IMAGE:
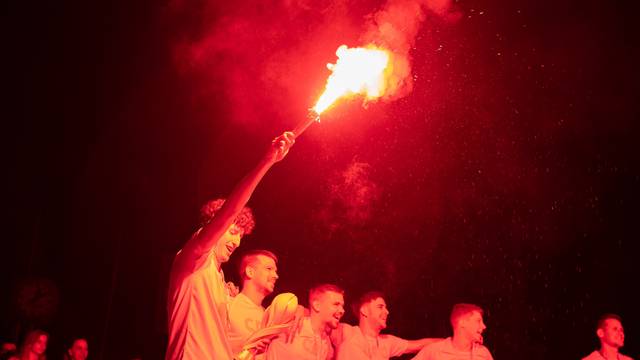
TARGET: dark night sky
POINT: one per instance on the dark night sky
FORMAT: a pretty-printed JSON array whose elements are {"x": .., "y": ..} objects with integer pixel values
[{"x": 509, "y": 177}]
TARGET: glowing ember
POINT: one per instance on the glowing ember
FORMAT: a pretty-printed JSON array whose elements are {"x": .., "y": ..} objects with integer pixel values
[{"x": 357, "y": 71}]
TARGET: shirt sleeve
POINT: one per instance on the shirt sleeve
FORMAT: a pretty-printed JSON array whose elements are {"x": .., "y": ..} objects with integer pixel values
[
  {"x": 485, "y": 353},
  {"x": 350, "y": 351},
  {"x": 275, "y": 348},
  {"x": 396, "y": 345},
  {"x": 424, "y": 354}
]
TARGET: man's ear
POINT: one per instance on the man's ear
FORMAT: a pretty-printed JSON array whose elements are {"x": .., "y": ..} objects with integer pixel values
[
  {"x": 364, "y": 311},
  {"x": 600, "y": 333},
  {"x": 249, "y": 272},
  {"x": 315, "y": 306}
]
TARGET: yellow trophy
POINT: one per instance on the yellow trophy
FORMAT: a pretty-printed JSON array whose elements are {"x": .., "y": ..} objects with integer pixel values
[{"x": 277, "y": 318}]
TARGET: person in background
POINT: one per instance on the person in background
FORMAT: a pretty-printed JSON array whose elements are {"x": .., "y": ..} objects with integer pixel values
[
  {"x": 34, "y": 346},
  {"x": 78, "y": 349},
  {"x": 466, "y": 343},
  {"x": 611, "y": 335},
  {"x": 366, "y": 342}
]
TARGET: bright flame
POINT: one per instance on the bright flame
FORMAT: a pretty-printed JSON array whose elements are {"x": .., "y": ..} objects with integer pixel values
[{"x": 357, "y": 71}]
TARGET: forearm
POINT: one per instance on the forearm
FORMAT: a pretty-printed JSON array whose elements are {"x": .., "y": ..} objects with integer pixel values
[{"x": 417, "y": 345}]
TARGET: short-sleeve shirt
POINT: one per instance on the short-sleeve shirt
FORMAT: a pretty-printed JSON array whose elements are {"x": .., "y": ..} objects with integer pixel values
[
  {"x": 197, "y": 309},
  {"x": 362, "y": 347},
  {"x": 596, "y": 355},
  {"x": 244, "y": 318},
  {"x": 444, "y": 350},
  {"x": 305, "y": 346}
]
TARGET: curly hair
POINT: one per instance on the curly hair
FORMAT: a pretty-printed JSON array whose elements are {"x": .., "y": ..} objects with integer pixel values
[{"x": 244, "y": 220}]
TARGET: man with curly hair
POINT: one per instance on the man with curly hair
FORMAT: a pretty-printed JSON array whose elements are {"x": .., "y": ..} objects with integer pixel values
[{"x": 198, "y": 295}]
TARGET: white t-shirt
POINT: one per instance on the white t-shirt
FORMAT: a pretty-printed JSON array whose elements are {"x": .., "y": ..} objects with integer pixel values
[
  {"x": 244, "y": 318},
  {"x": 305, "y": 346},
  {"x": 444, "y": 350},
  {"x": 596, "y": 355},
  {"x": 197, "y": 309},
  {"x": 362, "y": 347}
]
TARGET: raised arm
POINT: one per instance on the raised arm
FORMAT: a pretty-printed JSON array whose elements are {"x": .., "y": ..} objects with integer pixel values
[{"x": 207, "y": 238}]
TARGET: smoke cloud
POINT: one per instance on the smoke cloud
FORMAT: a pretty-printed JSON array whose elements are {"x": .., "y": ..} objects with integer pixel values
[
  {"x": 267, "y": 59},
  {"x": 395, "y": 27},
  {"x": 350, "y": 199}
]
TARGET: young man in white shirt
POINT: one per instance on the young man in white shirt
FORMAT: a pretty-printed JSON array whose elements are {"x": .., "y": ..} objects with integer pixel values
[
  {"x": 326, "y": 307},
  {"x": 466, "y": 343},
  {"x": 611, "y": 335},
  {"x": 259, "y": 271},
  {"x": 366, "y": 342},
  {"x": 198, "y": 296}
]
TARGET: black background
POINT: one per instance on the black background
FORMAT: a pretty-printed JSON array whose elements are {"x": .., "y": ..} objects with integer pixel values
[{"x": 508, "y": 178}]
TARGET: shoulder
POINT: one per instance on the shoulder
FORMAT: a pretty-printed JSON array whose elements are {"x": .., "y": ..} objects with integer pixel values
[
  {"x": 431, "y": 349},
  {"x": 388, "y": 338},
  {"x": 625, "y": 357},
  {"x": 482, "y": 351},
  {"x": 593, "y": 356},
  {"x": 438, "y": 345}
]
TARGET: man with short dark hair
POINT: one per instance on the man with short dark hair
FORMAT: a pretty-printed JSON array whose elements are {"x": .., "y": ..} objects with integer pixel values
[
  {"x": 198, "y": 296},
  {"x": 259, "y": 271},
  {"x": 326, "y": 306},
  {"x": 466, "y": 343},
  {"x": 611, "y": 335},
  {"x": 366, "y": 342}
]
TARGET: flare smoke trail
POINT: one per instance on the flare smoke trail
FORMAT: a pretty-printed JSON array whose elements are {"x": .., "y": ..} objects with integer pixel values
[
  {"x": 269, "y": 61},
  {"x": 395, "y": 28},
  {"x": 350, "y": 199}
]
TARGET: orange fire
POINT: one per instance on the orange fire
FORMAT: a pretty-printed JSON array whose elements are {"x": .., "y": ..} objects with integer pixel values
[{"x": 357, "y": 71}]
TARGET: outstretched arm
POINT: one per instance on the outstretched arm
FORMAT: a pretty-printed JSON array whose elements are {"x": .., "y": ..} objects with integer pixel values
[
  {"x": 417, "y": 345},
  {"x": 205, "y": 240}
]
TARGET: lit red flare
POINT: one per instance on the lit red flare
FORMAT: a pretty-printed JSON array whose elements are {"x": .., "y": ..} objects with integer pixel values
[{"x": 357, "y": 71}]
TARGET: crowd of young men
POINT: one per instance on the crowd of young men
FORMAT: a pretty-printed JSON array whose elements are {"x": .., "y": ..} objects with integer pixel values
[{"x": 208, "y": 320}]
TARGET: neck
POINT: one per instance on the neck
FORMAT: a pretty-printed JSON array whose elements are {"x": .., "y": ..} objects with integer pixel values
[
  {"x": 609, "y": 352},
  {"x": 251, "y": 291},
  {"x": 318, "y": 326},
  {"x": 368, "y": 329},
  {"x": 461, "y": 342}
]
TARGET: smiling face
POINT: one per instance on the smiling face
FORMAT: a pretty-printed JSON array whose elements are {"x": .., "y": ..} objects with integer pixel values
[
  {"x": 263, "y": 273},
  {"x": 612, "y": 333},
  {"x": 228, "y": 243},
  {"x": 330, "y": 308},
  {"x": 375, "y": 313},
  {"x": 40, "y": 345},
  {"x": 472, "y": 326},
  {"x": 79, "y": 350}
]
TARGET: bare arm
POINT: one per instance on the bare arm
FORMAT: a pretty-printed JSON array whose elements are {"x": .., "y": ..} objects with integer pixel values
[
  {"x": 417, "y": 345},
  {"x": 206, "y": 239}
]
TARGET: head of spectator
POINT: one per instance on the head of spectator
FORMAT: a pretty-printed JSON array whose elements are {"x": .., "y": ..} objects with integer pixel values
[
  {"x": 242, "y": 225},
  {"x": 34, "y": 346},
  {"x": 467, "y": 323},
  {"x": 77, "y": 349},
  {"x": 259, "y": 271},
  {"x": 326, "y": 306},
  {"x": 371, "y": 311},
  {"x": 610, "y": 331}
]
